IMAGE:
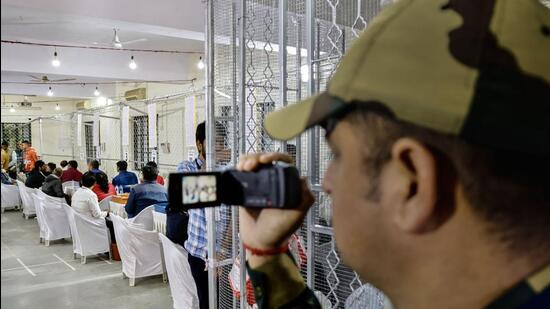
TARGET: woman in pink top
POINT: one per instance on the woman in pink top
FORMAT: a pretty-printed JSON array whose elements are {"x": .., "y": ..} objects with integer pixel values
[{"x": 103, "y": 188}]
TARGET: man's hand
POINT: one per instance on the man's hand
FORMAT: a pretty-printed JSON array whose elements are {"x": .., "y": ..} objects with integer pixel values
[{"x": 270, "y": 228}]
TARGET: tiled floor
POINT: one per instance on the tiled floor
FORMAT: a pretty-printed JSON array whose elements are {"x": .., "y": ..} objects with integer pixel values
[{"x": 36, "y": 276}]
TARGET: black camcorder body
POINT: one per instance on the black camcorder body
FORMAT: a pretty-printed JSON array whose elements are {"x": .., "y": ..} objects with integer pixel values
[{"x": 270, "y": 186}]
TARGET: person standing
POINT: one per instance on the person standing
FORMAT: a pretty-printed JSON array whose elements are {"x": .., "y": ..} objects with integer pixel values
[
  {"x": 194, "y": 237},
  {"x": 124, "y": 178},
  {"x": 30, "y": 156},
  {"x": 5, "y": 156}
]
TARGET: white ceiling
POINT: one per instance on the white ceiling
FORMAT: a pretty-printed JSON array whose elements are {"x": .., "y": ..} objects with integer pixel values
[{"x": 161, "y": 24}]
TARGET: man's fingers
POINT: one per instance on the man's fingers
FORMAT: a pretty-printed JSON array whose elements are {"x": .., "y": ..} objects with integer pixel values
[{"x": 270, "y": 157}]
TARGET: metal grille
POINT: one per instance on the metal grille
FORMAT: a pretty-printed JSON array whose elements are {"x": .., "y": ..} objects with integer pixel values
[
  {"x": 14, "y": 133},
  {"x": 141, "y": 142},
  {"x": 91, "y": 152},
  {"x": 259, "y": 50}
]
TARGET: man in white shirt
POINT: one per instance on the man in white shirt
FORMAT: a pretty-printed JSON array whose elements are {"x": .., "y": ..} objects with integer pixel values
[{"x": 84, "y": 200}]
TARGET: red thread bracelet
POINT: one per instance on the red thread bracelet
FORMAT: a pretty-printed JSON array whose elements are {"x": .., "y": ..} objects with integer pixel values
[{"x": 265, "y": 252}]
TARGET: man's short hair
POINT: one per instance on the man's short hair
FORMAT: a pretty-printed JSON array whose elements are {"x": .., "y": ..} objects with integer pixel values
[
  {"x": 73, "y": 163},
  {"x": 94, "y": 164},
  {"x": 508, "y": 190},
  {"x": 26, "y": 142},
  {"x": 58, "y": 171},
  {"x": 38, "y": 164},
  {"x": 63, "y": 163},
  {"x": 88, "y": 179},
  {"x": 4, "y": 143},
  {"x": 52, "y": 166},
  {"x": 150, "y": 173},
  {"x": 152, "y": 163},
  {"x": 122, "y": 165},
  {"x": 200, "y": 134}
]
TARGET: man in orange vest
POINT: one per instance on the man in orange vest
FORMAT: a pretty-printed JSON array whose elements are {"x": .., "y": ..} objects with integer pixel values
[{"x": 30, "y": 157}]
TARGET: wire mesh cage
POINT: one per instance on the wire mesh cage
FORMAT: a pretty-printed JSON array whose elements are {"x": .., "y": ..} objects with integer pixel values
[{"x": 267, "y": 54}]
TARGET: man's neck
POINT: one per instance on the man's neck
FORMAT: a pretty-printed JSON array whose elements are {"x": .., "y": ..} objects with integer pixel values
[{"x": 470, "y": 272}]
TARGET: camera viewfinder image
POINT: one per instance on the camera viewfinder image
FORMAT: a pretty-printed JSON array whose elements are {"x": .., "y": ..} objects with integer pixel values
[{"x": 199, "y": 189}]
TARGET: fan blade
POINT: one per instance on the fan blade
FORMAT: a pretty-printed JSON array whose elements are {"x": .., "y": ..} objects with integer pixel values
[
  {"x": 62, "y": 80},
  {"x": 35, "y": 77},
  {"x": 134, "y": 41}
]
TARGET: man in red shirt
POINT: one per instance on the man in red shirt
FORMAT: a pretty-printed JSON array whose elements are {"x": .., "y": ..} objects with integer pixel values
[
  {"x": 30, "y": 157},
  {"x": 72, "y": 173}
]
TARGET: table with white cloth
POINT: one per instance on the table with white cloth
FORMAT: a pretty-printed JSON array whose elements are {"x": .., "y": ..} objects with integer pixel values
[{"x": 116, "y": 205}]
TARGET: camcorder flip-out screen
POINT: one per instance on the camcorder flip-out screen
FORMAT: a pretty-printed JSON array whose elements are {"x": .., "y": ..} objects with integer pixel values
[{"x": 271, "y": 186}]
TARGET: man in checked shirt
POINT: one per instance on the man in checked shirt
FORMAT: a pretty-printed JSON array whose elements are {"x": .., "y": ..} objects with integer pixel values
[{"x": 195, "y": 242}]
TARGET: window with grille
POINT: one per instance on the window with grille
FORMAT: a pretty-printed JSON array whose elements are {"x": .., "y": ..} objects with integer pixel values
[
  {"x": 91, "y": 153},
  {"x": 142, "y": 154},
  {"x": 14, "y": 133}
]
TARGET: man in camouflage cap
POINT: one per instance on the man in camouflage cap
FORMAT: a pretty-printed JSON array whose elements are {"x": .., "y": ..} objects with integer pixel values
[{"x": 439, "y": 121}]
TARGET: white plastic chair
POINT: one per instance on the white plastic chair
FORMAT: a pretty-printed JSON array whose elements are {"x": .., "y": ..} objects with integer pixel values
[
  {"x": 159, "y": 220},
  {"x": 90, "y": 235},
  {"x": 37, "y": 202},
  {"x": 70, "y": 185},
  {"x": 139, "y": 250},
  {"x": 26, "y": 199},
  {"x": 182, "y": 284},
  {"x": 105, "y": 203},
  {"x": 145, "y": 218},
  {"x": 10, "y": 197},
  {"x": 54, "y": 219}
]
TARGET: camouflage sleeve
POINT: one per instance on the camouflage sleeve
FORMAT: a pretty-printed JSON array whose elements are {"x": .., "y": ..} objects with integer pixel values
[{"x": 278, "y": 284}]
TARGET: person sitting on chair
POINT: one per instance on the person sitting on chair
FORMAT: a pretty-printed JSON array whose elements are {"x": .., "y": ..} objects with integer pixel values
[
  {"x": 102, "y": 187},
  {"x": 36, "y": 177},
  {"x": 147, "y": 193},
  {"x": 124, "y": 178},
  {"x": 72, "y": 173},
  {"x": 52, "y": 185}
]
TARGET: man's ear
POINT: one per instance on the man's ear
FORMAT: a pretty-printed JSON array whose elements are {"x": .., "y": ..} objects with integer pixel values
[{"x": 416, "y": 210}]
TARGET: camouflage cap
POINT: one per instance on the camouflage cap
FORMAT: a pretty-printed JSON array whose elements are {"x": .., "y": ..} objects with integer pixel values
[{"x": 477, "y": 69}]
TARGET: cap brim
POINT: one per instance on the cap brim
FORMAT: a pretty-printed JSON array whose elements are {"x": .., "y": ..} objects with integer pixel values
[{"x": 290, "y": 121}]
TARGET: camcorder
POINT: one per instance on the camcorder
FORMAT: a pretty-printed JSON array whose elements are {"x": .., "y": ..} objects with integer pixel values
[{"x": 270, "y": 186}]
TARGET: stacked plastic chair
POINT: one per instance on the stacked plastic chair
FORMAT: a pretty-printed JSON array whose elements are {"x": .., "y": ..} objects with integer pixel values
[
  {"x": 139, "y": 248},
  {"x": 182, "y": 284},
  {"x": 90, "y": 235}
]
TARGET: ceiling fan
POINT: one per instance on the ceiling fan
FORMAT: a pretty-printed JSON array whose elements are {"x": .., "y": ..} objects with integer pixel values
[
  {"x": 117, "y": 43},
  {"x": 45, "y": 79}
]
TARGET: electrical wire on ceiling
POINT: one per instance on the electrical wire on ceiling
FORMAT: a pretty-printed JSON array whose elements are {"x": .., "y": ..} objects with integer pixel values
[
  {"x": 174, "y": 81},
  {"x": 103, "y": 48}
]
